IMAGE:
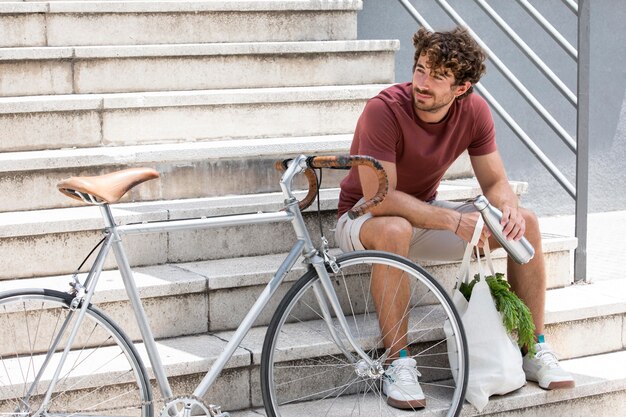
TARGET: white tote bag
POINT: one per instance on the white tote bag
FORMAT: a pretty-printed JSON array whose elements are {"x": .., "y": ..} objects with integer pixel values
[{"x": 495, "y": 360}]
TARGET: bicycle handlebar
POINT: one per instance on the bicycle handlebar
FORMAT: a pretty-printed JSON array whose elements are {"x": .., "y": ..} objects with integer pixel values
[{"x": 341, "y": 162}]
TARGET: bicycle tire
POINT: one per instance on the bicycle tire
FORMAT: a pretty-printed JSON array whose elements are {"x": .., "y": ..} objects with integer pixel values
[
  {"x": 103, "y": 373},
  {"x": 303, "y": 372}
]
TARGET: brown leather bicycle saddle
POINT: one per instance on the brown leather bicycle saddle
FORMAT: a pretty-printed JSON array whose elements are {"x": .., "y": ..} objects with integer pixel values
[{"x": 107, "y": 188}]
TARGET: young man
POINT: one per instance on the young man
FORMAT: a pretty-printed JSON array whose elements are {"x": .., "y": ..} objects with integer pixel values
[{"x": 416, "y": 130}]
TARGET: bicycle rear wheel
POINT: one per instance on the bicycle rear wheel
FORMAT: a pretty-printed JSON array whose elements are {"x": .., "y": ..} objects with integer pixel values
[
  {"x": 305, "y": 373},
  {"x": 102, "y": 375}
]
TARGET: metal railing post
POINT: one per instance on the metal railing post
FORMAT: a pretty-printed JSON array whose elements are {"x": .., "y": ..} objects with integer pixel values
[{"x": 582, "y": 139}]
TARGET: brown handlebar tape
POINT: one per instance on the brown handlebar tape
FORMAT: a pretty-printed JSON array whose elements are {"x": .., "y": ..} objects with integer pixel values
[
  {"x": 310, "y": 196},
  {"x": 354, "y": 160},
  {"x": 342, "y": 161},
  {"x": 310, "y": 176}
]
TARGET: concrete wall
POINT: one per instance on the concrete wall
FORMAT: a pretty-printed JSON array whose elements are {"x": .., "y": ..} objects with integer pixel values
[{"x": 607, "y": 172}]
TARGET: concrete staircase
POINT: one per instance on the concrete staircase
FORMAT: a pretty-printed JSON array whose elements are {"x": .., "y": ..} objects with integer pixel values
[{"x": 210, "y": 93}]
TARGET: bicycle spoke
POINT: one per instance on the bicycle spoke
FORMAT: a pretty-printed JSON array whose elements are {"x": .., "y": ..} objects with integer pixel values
[
  {"x": 80, "y": 389},
  {"x": 291, "y": 381},
  {"x": 329, "y": 391}
]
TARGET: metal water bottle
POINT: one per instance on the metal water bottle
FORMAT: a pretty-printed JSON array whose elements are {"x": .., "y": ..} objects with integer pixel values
[{"x": 521, "y": 251}]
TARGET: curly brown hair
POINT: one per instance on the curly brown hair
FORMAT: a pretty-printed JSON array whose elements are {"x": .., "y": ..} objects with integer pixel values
[{"x": 455, "y": 51}]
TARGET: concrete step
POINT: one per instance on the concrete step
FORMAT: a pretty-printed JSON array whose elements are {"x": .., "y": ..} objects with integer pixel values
[
  {"x": 185, "y": 360},
  {"x": 113, "y": 69},
  {"x": 599, "y": 375},
  {"x": 190, "y": 169},
  {"x": 600, "y": 391},
  {"x": 216, "y": 295},
  {"x": 567, "y": 309},
  {"x": 92, "y": 120},
  {"x": 587, "y": 319},
  {"x": 564, "y": 313},
  {"x": 64, "y": 23},
  {"x": 54, "y": 241},
  {"x": 605, "y": 245}
]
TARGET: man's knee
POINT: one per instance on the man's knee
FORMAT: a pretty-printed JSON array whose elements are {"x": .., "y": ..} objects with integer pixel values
[
  {"x": 392, "y": 234},
  {"x": 531, "y": 221}
]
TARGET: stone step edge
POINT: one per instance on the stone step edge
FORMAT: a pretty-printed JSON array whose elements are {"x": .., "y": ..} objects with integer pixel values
[
  {"x": 197, "y": 49},
  {"x": 201, "y": 151},
  {"x": 19, "y": 7},
  {"x": 563, "y": 304},
  {"x": 73, "y": 219},
  {"x": 116, "y": 101},
  {"x": 172, "y": 152},
  {"x": 595, "y": 376}
]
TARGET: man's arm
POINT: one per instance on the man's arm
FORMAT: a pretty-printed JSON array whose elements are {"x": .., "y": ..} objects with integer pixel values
[
  {"x": 491, "y": 176},
  {"x": 398, "y": 203}
]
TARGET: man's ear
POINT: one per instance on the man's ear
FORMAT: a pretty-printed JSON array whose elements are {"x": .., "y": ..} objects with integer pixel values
[{"x": 462, "y": 88}]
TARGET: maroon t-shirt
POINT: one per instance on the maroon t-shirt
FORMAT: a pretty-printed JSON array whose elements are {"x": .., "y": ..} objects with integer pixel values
[{"x": 389, "y": 130}]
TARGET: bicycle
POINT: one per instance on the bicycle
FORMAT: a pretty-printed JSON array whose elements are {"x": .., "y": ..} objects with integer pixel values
[{"x": 68, "y": 358}]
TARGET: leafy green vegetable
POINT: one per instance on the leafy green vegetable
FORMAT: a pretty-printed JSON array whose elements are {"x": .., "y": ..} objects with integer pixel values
[{"x": 516, "y": 316}]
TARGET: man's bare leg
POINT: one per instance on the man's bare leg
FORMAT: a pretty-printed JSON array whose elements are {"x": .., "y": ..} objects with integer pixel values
[
  {"x": 393, "y": 234},
  {"x": 390, "y": 289},
  {"x": 529, "y": 281}
]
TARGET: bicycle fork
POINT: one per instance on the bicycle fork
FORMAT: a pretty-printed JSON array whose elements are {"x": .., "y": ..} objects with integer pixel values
[
  {"x": 319, "y": 259},
  {"x": 365, "y": 366}
]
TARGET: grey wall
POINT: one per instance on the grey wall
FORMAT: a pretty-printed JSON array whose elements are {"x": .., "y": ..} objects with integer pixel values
[{"x": 387, "y": 19}]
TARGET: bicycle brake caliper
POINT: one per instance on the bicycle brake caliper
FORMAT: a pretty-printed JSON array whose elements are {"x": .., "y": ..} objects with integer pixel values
[
  {"x": 78, "y": 291},
  {"x": 329, "y": 259}
]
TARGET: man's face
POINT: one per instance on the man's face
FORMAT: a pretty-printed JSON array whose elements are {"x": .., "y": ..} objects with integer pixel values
[{"x": 434, "y": 89}]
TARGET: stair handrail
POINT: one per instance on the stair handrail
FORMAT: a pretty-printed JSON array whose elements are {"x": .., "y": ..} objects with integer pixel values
[
  {"x": 571, "y": 5},
  {"x": 502, "y": 24},
  {"x": 551, "y": 30}
]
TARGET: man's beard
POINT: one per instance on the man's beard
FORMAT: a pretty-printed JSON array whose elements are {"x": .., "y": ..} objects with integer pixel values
[{"x": 435, "y": 106}]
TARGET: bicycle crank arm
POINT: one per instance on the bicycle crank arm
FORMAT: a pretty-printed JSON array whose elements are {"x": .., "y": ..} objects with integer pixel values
[{"x": 216, "y": 411}]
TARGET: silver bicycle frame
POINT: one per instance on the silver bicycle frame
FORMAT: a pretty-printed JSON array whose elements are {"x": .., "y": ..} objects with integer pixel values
[{"x": 303, "y": 245}]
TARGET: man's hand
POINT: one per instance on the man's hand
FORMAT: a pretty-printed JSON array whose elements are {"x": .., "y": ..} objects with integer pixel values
[
  {"x": 466, "y": 226},
  {"x": 490, "y": 174},
  {"x": 513, "y": 223}
]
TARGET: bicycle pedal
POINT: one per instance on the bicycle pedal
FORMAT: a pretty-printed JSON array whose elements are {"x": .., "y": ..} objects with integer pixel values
[{"x": 216, "y": 411}]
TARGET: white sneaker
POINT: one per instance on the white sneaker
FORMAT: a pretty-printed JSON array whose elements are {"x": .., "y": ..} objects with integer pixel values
[
  {"x": 401, "y": 386},
  {"x": 544, "y": 368}
]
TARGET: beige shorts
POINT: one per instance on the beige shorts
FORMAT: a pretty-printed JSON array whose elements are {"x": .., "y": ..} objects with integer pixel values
[{"x": 426, "y": 244}]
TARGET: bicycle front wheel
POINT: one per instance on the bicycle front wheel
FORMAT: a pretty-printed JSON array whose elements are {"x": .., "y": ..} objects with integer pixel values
[
  {"x": 309, "y": 368},
  {"x": 102, "y": 374}
]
